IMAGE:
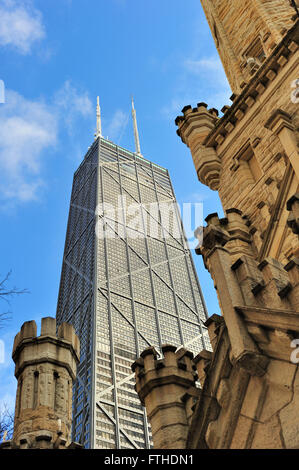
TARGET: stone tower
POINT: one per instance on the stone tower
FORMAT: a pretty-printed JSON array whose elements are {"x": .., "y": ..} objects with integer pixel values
[
  {"x": 161, "y": 383},
  {"x": 249, "y": 384},
  {"x": 253, "y": 147},
  {"x": 246, "y": 33},
  {"x": 45, "y": 368}
]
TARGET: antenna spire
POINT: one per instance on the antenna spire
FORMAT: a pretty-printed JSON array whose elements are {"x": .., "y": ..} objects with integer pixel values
[
  {"x": 136, "y": 135},
  {"x": 99, "y": 122}
]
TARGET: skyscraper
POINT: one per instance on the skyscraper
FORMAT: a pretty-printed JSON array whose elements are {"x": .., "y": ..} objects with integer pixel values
[{"x": 128, "y": 282}]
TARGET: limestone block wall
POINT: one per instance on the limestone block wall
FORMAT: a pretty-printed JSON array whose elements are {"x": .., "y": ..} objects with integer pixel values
[
  {"x": 268, "y": 415},
  {"x": 238, "y": 26},
  {"x": 238, "y": 410},
  {"x": 253, "y": 149}
]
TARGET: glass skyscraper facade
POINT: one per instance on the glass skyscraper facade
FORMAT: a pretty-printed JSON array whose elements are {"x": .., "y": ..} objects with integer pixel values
[{"x": 128, "y": 282}]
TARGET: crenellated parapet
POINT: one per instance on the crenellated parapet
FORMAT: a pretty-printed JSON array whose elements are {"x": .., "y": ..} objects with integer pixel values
[
  {"x": 26, "y": 344},
  {"x": 45, "y": 368},
  {"x": 193, "y": 128},
  {"x": 161, "y": 385},
  {"x": 265, "y": 283}
]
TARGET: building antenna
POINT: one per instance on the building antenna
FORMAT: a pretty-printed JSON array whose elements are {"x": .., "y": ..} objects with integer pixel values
[
  {"x": 136, "y": 135},
  {"x": 99, "y": 122}
]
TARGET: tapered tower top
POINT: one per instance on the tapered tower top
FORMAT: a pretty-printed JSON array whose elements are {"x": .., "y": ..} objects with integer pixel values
[
  {"x": 99, "y": 122},
  {"x": 246, "y": 32},
  {"x": 136, "y": 134}
]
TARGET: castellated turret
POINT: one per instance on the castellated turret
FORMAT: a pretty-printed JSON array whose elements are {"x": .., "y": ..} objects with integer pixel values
[
  {"x": 166, "y": 387},
  {"x": 250, "y": 155},
  {"x": 45, "y": 368},
  {"x": 193, "y": 128}
]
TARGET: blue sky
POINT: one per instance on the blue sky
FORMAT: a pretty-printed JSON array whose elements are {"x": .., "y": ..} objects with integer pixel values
[{"x": 56, "y": 56}]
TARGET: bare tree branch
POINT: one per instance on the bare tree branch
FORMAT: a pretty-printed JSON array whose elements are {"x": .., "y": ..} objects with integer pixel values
[
  {"x": 6, "y": 423},
  {"x": 6, "y": 293}
]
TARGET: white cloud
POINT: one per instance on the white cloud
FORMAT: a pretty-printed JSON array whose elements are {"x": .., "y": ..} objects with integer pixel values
[
  {"x": 117, "y": 125},
  {"x": 197, "y": 197},
  {"x": 208, "y": 68},
  {"x": 210, "y": 63},
  {"x": 200, "y": 79},
  {"x": 28, "y": 130},
  {"x": 20, "y": 25},
  {"x": 173, "y": 108},
  {"x": 72, "y": 103}
]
